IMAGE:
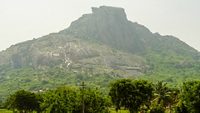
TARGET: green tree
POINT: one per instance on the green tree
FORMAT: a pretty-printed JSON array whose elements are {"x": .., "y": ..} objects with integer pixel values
[
  {"x": 95, "y": 102},
  {"x": 120, "y": 91},
  {"x": 24, "y": 102},
  {"x": 131, "y": 94},
  {"x": 61, "y": 100},
  {"x": 165, "y": 96},
  {"x": 174, "y": 98},
  {"x": 190, "y": 96},
  {"x": 69, "y": 100}
]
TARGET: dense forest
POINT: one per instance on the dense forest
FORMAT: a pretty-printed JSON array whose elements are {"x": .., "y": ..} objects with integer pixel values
[{"x": 132, "y": 96}]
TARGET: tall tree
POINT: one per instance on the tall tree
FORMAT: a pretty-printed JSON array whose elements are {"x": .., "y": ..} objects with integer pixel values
[
  {"x": 131, "y": 94},
  {"x": 24, "y": 102}
]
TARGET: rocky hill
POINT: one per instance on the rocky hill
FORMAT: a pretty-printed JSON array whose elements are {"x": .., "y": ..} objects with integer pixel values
[{"x": 104, "y": 42}]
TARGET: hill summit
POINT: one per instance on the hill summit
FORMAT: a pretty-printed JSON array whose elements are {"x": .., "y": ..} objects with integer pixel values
[{"x": 110, "y": 26}]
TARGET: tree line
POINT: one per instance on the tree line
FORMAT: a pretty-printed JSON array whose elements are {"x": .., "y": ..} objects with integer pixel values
[{"x": 136, "y": 96}]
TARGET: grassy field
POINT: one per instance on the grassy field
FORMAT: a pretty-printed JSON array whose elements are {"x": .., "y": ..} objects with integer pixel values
[
  {"x": 5, "y": 111},
  {"x": 120, "y": 111}
]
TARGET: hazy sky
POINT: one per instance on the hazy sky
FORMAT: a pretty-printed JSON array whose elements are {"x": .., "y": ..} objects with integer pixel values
[{"x": 22, "y": 20}]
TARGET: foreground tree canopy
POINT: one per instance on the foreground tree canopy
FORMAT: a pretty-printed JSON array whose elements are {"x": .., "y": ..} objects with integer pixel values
[
  {"x": 132, "y": 95},
  {"x": 61, "y": 100},
  {"x": 190, "y": 96},
  {"x": 24, "y": 102},
  {"x": 141, "y": 95}
]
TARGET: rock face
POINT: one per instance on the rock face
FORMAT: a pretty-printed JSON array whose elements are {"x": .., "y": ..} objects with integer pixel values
[
  {"x": 110, "y": 26},
  {"x": 103, "y": 39}
]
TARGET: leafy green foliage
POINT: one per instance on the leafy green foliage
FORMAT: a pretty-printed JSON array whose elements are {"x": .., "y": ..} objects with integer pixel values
[
  {"x": 61, "y": 100},
  {"x": 131, "y": 94},
  {"x": 125, "y": 95},
  {"x": 24, "y": 101},
  {"x": 72, "y": 99},
  {"x": 190, "y": 95},
  {"x": 181, "y": 109},
  {"x": 95, "y": 102},
  {"x": 157, "y": 109},
  {"x": 162, "y": 94}
]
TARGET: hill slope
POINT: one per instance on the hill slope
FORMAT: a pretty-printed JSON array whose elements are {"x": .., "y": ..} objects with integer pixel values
[{"x": 97, "y": 48}]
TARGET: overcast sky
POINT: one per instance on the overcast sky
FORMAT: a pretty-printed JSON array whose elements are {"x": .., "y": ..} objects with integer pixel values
[{"x": 22, "y": 20}]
